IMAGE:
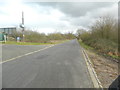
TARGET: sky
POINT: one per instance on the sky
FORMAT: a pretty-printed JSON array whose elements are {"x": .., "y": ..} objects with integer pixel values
[{"x": 48, "y": 17}]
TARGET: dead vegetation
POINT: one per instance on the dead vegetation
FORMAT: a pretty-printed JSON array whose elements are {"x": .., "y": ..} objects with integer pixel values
[{"x": 106, "y": 69}]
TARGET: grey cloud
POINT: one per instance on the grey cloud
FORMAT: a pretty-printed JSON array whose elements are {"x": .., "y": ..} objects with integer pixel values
[
  {"x": 77, "y": 13},
  {"x": 76, "y": 9},
  {"x": 80, "y": 9}
]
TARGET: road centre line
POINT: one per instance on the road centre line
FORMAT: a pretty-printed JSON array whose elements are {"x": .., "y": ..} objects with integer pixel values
[{"x": 25, "y": 54}]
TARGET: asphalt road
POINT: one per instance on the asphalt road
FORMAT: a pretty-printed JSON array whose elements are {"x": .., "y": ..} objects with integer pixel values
[
  {"x": 60, "y": 66},
  {"x": 11, "y": 51}
]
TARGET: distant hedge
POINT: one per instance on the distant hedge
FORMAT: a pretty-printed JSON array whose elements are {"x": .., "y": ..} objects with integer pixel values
[{"x": 33, "y": 36}]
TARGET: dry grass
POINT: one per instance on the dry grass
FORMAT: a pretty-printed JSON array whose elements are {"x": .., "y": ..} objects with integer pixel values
[{"x": 107, "y": 70}]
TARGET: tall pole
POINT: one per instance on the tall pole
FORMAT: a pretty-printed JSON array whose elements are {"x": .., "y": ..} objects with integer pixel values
[{"x": 23, "y": 25}]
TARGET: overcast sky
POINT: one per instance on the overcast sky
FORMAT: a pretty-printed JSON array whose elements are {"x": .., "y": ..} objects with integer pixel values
[{"x": 50, "y": 17}]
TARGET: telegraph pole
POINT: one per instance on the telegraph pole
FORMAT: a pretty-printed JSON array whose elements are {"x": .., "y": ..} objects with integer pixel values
[{"x": 23, "y": 28}]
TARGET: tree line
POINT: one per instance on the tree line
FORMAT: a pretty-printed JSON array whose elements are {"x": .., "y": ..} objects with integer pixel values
[{"x": 34, "y": 36}]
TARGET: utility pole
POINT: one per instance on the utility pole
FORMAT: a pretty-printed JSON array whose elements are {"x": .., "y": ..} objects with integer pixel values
[{"x": 23, "y": 25}]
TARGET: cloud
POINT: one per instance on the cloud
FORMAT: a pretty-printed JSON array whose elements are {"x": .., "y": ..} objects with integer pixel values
[
  {"x": 55, "y": 16},
  {"x": 91, "y": 15},
  {"x": 76, "y": 9}
]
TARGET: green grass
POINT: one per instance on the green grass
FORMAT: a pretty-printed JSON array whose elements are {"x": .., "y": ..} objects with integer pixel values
[
  {"x": 116, "y": 57},
  {"x": 84, "y": 45},
  {"x": 32, "y": 43},
  {"x": 113, "y": 56},
  {"x": 25, "y": 43},
  {"x": 95, "y": 51},
  {"x": 59, "y": 41}
]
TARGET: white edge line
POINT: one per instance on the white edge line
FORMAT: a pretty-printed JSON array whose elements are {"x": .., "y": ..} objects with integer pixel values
[
  {"x": 25, "y": 54},
  {"x": 96, "y": 82},
  {"x": 94, "y": 71}
]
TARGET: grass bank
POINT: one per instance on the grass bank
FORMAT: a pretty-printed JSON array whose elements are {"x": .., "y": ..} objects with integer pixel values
[
  {"x": 97, "y": 51},
  {"x": 85, "y": 46}
]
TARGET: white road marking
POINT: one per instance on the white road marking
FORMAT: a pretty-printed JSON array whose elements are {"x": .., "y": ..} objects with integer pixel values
[
  {"x": 93, "y": 75},
  {"x": 25, "y": 54}
]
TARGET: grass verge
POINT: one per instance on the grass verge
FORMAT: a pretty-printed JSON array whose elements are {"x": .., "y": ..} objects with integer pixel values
[
  {"x": 85, "y": 46},
  {"x": 106, "y": 68},
  {"x": 33, "y": 43},
  {"x": 95, "y": 51}
]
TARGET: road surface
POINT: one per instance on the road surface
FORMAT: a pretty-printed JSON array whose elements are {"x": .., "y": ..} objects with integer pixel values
[
  {"x": 60, "y": 66},
  {"x": 11, "y": 51}
]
